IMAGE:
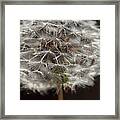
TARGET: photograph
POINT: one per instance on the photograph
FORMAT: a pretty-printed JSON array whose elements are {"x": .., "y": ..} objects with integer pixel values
[{"x": 60, "y": 59}]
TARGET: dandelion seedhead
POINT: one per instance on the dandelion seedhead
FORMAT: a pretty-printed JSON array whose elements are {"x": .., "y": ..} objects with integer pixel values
[{"x": 58, "y": 50}]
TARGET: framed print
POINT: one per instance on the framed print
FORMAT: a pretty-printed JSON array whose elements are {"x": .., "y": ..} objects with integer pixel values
[{"x": 60, "y": 59}]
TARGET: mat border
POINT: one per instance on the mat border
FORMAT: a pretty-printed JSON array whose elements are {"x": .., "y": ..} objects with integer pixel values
[{"x": 52, "y": 2}]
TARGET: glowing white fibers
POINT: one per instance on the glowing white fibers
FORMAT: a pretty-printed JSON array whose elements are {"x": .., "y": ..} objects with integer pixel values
[{"x": 68, "y": 48}]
